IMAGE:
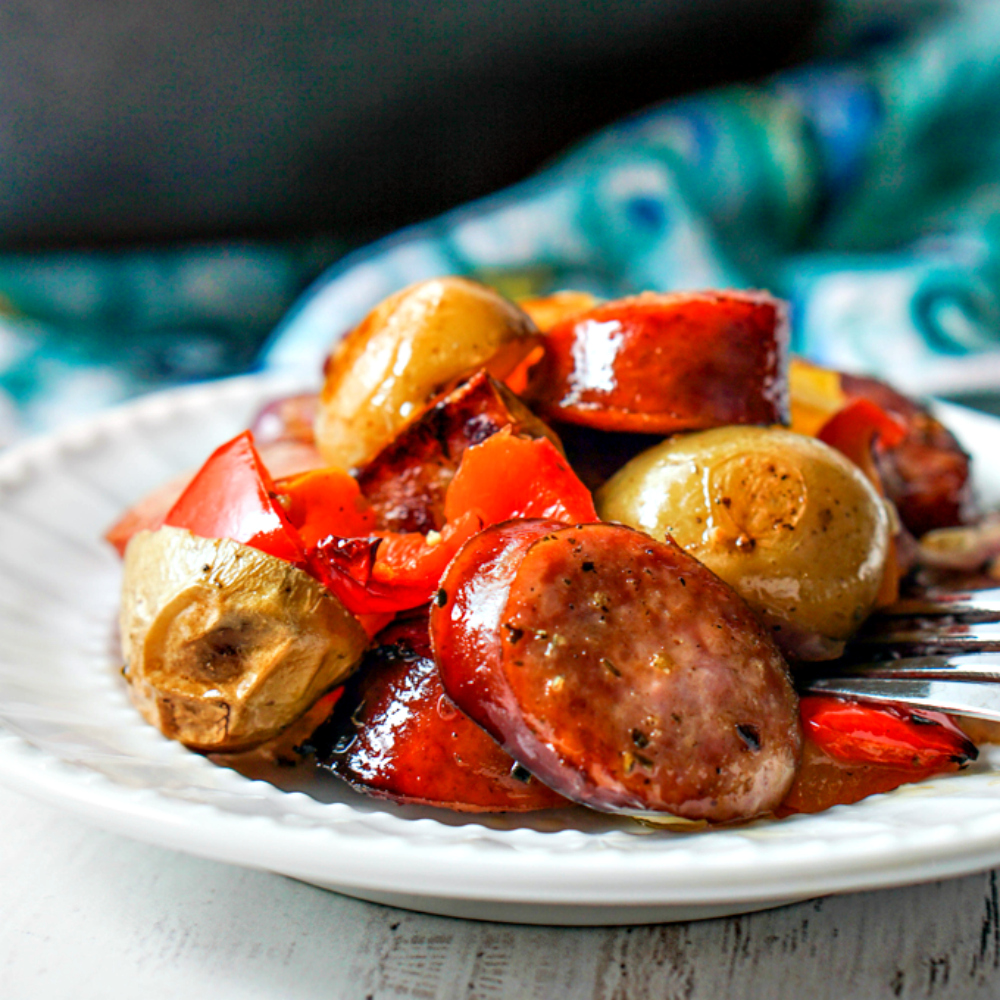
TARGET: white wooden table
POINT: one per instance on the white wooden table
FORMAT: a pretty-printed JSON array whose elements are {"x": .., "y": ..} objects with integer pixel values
[{"x": 93, "y": 916}]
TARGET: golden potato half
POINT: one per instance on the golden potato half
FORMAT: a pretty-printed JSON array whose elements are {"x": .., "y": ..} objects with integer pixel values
[
  {"x": 225, "y": 646},
  {"x": 407, "y": 350},
  {"x": 787, "y": 521}
]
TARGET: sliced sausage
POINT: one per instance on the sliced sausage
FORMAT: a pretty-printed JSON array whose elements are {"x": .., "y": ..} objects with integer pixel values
[
  {"x": 659, "y": 364},
  {"x": 396, "y": 735},
  {"x": 617, "y": 669}
]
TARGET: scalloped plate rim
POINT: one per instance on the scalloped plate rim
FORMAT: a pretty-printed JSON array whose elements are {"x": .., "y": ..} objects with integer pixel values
[{"x": 447, "y": 868}]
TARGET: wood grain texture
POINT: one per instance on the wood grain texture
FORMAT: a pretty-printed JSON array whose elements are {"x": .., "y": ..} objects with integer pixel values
[{"x": 98, "y": 917}]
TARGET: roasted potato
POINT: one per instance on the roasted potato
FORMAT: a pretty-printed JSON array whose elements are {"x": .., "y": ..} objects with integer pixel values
[
  {"x": 787, "y": 521},
  {"x": 225, "y": 646},
  {"x": 405, "y": 352}
]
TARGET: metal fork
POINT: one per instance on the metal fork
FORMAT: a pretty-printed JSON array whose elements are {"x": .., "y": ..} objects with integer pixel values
[{"x": 940, "y": 651}]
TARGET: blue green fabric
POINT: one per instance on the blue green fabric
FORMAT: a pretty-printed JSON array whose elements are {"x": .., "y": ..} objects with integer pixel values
[
  {"x": 79, "y": 331},
  {"x": 866, "y": 192}
]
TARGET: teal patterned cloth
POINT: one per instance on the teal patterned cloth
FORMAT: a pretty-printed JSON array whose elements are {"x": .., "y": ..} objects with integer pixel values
[
  {"x": 866, "y": 192},
  {"x": 79, "y": 331}
]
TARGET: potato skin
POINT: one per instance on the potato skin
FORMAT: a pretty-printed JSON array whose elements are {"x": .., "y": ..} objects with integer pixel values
[
  {"x": 406, "y": 351},
  {"x": 224, "y": 645},
  {"x": 794, "y": 527}
]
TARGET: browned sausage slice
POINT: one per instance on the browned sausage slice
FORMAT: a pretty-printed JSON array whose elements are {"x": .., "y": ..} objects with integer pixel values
[
  {"x": 396, "y": 735},
  {"x": 659, "y": 364},
  {"x": 927, "y": 475},
  {"x": 617, "y": 669}
]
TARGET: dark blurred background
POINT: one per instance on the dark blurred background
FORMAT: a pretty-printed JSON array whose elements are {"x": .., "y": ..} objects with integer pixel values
[{"x": 126, "y": 120}]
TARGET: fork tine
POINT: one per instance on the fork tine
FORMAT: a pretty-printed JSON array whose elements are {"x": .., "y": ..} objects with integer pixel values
[
  {"x": 930, "y": 635},
  {"x": 980, "y": 701},
  {"x": 981, "y": 667},
  {"x": 967, "y": 682},
  {"x": 937, "y": 601}
]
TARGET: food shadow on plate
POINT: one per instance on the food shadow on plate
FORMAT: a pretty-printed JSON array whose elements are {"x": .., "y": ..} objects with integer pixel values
[
  {"x": 279, "y": 763},
  {"x": 319, "y": 784}
]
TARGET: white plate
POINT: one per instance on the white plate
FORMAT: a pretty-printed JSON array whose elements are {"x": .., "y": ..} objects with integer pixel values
[{"x": 69, "y": 735}]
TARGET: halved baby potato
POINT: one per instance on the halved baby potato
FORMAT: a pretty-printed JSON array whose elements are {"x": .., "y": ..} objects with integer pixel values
[
  {"x": 788, "y": 522},
  {"x": 224, "y": 645},
  {"x": 405, "y": 352}
]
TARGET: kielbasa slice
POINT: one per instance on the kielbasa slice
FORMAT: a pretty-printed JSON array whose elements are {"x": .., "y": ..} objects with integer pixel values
[
  {"x": 663, "y": 363},
  {"x": 618, "y": 670},
  {"x": 396, "y": 735}
]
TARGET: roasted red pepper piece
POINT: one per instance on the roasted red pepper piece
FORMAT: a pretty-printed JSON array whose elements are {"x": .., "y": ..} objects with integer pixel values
[
  {"x": 507, "y": 477},
  {"x": 281, "y": 458},
  {"x": 854, "y": 431},
  {"x": 407, "y": 480},
  {"x": 326, "y": 502},
  {"x": 887, "y": 735},
  {"x": 503, "y": 478},
  {"x": 397, "y": 735},
  {"x": 926, "y": 474},
  {"x": 417, "y": 561},
  {"x": 392, "y": 573},
  {"x": 345, "y": 566},
  {"x": 852, "y": 750},
  {"x": 320, "y": 521},
  {"x": 233, "y": 496}
]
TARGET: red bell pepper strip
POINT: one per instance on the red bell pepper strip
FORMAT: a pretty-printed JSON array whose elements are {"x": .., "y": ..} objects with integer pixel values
[
  {"x": 324, "y": 502},
  {"x": 500, "y": 479},
  {"x": 233, "y": 496},
  {"x": 401, "y": 572},
  {"x": 507, "y": 477},
  {"x": 856, "y": 429},
  {"x": 416, "y": 561},
  {"x": 320, "y": 522},
  {"x": 886, "y": 735},
  {"x": 345, "y": 567}
]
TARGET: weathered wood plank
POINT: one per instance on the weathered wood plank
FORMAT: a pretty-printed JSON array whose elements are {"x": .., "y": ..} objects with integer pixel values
[{"x": 91, "y": 915}]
